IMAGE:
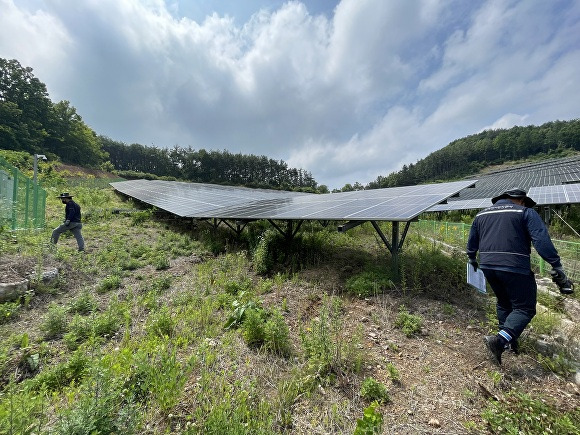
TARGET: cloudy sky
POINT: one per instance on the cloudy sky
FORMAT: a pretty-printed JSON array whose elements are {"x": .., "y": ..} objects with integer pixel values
[{"x": 347, "y": 90}]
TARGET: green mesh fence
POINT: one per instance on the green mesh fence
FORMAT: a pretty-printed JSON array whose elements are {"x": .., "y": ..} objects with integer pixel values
[
  {"x": 456, "y": 234},
  {"x": 22, "y": 203}
]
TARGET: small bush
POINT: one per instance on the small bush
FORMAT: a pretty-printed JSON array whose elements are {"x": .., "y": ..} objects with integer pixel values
[
  {"x": 140, "y": 217},
  {"x": 111, "y": 282},
  {"x": 84, "y": 304},
  {"x": 161, "y": 324},
  {"x": 60, "y": 376},
  {"x": 371, "y": 422},
  {"x": 369, "y": 283},
  {"x": 277, "y": 335},
  {"x": 372, "y": 390},
  {"x": 393, "y": 372},
  {"x": 55, "y": 322},
  {"x": 410, "y": 324},
  {"x": 253, "y": 327}
]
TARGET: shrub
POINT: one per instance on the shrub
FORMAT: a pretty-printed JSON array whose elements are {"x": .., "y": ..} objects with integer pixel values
[
  {"x": 55, "y": 323},
  {"x": 161, "y": 324},
  {"x": 253, "y": 327},
  {"x": 371, "y": 422},
  {"x": 111, "y": 282},
  {"x": 372, "y": 390},
  {"x": 326, "y": 345},
  {"x": 369, "y": 283},
  {"x": 410, "y": 324},
  {"x": 84, "y": 304},
  {"x": 60, "y": 376},
  {"x": 277, "y": 335}
]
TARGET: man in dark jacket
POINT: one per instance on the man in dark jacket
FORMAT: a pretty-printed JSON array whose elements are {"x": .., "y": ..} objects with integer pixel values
[
  {"x": 72, "y": 221},
  {"x": 503, "y": 234}
]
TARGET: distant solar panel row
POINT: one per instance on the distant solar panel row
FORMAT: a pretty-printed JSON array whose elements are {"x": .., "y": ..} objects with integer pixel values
[
  {"x": 543, "y": 195},
  {"x": 548, "y": 173},
  {"x": 550, "y": 195},
  {"x": 225, "y": 202}
]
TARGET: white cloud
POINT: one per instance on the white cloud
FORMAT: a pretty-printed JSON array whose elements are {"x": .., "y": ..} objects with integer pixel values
[{"x": 351, "y": 91}]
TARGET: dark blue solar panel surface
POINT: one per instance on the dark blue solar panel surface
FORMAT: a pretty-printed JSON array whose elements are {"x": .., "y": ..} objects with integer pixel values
[
  {"x": 551, "y": 195},
  {"x": 545, "y": 173},
  {"x": 225, "y": 202},
  {"x": 529, "y": 176}
]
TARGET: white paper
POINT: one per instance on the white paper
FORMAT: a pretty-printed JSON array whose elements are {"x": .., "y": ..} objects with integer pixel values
[{"x": 476, "y": 278}]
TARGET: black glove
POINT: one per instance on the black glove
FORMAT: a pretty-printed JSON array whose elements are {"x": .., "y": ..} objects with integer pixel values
[
  {"x": 67, "y": 222},
  {"x": 473, "y": 262},
  {"x": 564, "y": 284}
]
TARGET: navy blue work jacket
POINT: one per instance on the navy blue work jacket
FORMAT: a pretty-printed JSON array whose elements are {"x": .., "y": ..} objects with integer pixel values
[
  {"x": 503, "y": 235},
  {"x": 72, "y": 211}
]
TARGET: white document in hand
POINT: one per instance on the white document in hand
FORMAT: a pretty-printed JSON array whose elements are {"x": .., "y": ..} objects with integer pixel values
[{"x": 476, "y": 278}]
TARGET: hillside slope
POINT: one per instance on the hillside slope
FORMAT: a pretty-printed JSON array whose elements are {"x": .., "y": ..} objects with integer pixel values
[{"x": 132, "y": 335}]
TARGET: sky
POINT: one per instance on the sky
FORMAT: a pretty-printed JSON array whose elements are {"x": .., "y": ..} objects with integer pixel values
[{"x": 348, "y": 90}]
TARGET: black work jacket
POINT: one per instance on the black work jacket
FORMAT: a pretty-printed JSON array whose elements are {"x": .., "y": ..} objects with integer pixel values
[
  {"x": 72, "y": 211},
  {"x": 503, "y": 234}
]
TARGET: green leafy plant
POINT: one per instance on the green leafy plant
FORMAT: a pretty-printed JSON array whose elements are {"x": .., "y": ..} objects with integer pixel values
[
  {"x": 369, "y": 283},
  {"x": 55, "y": 322},
  {"x": 111, "y": 282},
  {"x": 239, "y": 313},
  {"x": 277, "y": 335},
  {"x": 393, "y": 372},
  {"x": 371, "y": 423},
  {"x": 253, "y": 327},
  {"x": 558, "y": 364},
  {"x": 410, "y": 324},
  {"x": 85, "y": 303},
  {"x": 327, "y": 347},
  {"x": 520, "y": 413},
  {"x": 373, "y": 390},
  {"x": 9, "y": 311}
]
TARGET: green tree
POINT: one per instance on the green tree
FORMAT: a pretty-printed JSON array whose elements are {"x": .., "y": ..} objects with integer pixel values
[
  {"x": 71, "y": 139},
  {"x": 24, "y": 108}
]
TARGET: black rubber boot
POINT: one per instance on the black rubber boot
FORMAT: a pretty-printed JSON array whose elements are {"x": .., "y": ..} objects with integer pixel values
[
  {"x": 495, "y": 348},
  {"x": 514, "y": 346}
]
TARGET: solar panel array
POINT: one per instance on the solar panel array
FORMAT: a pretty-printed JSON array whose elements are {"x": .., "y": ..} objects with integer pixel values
[
  {"x": 550, "y": 195},
  {"x": 225, "y": 202},
  {"x": 465, "y": 204},
  {"x": 528, "y": 177},
  {"x": 548, "y": 173}
]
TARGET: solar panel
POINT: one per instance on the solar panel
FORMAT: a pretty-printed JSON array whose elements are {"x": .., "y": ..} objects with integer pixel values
[
  {"x": 193, "y": 199},
  {"x": 466, "y": 204},
  {"x": 551, "y": 195},
  {"x": 545, "y": 173},
  {"x": 225, "y": 202}
]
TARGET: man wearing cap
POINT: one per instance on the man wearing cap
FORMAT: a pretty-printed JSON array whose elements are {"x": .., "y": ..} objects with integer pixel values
[
  {"x": 503, "y": 235},
  {"x": 72, "y": 221}
]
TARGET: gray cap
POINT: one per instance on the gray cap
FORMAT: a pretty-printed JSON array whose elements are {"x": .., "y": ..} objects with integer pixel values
[{"x": 515, "y": 193}]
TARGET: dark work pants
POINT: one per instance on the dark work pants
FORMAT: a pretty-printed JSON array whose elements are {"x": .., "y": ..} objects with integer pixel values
[
  {"x": 73, "y": 227},
  {"x": 516, "y": 299}
]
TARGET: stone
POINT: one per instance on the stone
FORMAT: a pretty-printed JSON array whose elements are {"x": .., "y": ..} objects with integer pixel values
[{"x": 11, "y": 291}]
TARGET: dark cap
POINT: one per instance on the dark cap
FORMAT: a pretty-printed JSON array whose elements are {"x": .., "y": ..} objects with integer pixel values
[
  {"x": 515, "y": 194},
  {"x": 64, "y": 195}
]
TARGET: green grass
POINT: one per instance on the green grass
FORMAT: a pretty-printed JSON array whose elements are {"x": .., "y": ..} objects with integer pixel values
[{"x": 162, "y": 327}]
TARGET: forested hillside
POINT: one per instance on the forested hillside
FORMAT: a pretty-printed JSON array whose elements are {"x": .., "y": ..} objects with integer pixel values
[
  {"x": 470, "y": 154},
  {"x": 32, "y": 123}
]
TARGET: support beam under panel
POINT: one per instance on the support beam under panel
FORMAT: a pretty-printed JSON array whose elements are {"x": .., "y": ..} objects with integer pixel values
[
  {"x": 349, "y": 225},
  {"x": 290, "y": 231}
]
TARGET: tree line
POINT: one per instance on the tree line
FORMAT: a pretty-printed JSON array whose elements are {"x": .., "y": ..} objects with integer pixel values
[
  {"x": 468, "y": 155},
  {"x": 31, "y": 122}
]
